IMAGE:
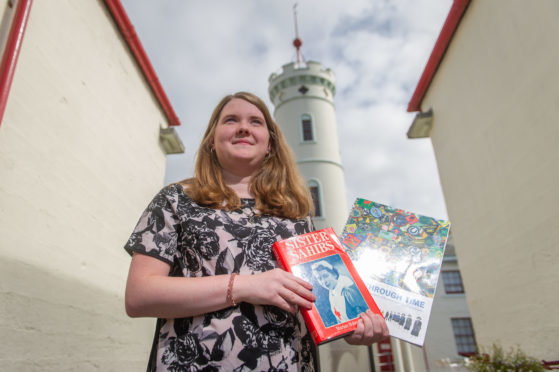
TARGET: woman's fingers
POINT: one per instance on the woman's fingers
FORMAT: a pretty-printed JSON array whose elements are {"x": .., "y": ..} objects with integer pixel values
[
  {"x": 300, "y": 288},
  {"x": 370, "y": 328},
  {"x": 381, "y": 327},
  {"x": 279, "y": 288},
  {"x": 296, "y": 291},
  {"x": 298, "y": 300},
  {"x": 302, "y": 282},
  {"x": 286, "y": 305}
]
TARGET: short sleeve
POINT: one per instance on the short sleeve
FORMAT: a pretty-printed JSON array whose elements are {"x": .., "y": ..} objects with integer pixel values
[
  {"x": 310, "y": 224},
  {"x": 157, "y": 230}
]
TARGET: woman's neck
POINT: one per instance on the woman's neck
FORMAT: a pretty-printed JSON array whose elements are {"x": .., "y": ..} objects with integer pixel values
[{"x": 239, "y": 184}]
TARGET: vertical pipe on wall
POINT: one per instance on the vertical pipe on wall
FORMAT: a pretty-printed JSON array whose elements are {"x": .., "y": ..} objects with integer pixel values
[{"x": 11, "y": 51}]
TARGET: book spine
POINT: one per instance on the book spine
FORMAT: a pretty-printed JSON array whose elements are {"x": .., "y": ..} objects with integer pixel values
[{"x": 276, "y": 250}]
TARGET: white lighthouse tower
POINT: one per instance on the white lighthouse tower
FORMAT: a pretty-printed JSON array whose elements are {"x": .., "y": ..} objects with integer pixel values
[{"x": 303, "y": 97}]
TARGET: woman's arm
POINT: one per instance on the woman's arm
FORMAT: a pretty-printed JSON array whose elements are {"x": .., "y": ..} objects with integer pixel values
[{"x": 150, "y": 292}]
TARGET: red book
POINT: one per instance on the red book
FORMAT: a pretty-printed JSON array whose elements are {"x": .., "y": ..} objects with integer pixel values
[{"x": 341, "y": 296}]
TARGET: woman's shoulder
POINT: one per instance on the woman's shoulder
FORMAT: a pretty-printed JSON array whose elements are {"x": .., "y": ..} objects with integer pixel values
[
  {"x": 170, "y": 191},
  {"x": 175, "y": 189},
  {"x": 172, "y": 194}
]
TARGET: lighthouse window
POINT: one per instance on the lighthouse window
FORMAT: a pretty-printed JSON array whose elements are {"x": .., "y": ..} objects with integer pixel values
[
  {"x": 315, "y": 194},
  {"x": 307, "y": 128}
]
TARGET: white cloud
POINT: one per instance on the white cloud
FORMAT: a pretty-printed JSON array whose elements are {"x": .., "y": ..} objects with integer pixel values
[{"x": 202, "y": 50}]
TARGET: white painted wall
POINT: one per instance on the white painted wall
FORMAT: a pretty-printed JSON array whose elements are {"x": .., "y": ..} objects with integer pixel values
[
  {"x": 495, "y": 136},
  {"x": 79, "y": 161}
]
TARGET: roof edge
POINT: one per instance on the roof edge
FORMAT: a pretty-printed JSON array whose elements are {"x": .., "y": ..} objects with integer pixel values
[
  {"x": 441, "y": 45},
  {"x": 127, "y": 30}
]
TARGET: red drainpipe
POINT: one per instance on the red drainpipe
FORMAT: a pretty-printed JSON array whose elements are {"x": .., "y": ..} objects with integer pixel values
[
  {"x": 11, "y": 51},
  {"x": 127, "y": 30}
]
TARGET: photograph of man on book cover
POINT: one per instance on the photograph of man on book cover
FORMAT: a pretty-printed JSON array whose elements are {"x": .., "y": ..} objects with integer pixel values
[{"x": 338, "y": 298}]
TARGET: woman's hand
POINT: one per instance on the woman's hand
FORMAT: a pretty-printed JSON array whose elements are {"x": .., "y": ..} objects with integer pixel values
[
  {"x": 275, "y": 287},
  {"x": 371, "y": 328}
]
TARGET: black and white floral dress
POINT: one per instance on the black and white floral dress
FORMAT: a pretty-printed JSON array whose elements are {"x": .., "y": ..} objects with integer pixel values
[{"x": 198, "y": 241}]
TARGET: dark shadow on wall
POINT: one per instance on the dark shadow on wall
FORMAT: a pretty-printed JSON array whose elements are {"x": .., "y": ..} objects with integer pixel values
[{"x": 52, "y": 322}]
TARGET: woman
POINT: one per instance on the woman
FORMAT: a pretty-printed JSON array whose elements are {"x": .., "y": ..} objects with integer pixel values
[{"x": 202, "y": 262}]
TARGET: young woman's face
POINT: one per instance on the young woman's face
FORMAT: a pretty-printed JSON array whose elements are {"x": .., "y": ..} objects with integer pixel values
[
  {"x": 326, "y": 279},
  {"x": 241, "y": 138}
]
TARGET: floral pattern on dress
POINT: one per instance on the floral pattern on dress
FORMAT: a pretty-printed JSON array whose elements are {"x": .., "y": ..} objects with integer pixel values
[{"x": 198, "y": 241}]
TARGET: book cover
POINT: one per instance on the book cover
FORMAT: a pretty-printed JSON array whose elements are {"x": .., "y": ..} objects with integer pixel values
[
  {"x": 341, "y": 296},
  {"x": 398, "y": 254}
]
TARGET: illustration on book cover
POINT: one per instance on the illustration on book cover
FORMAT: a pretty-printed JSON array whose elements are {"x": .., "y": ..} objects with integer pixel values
[
  {"x": 342, "y": 300},
  {"x": 341, "y": 295},
  {"x": 398, "y": 254}
]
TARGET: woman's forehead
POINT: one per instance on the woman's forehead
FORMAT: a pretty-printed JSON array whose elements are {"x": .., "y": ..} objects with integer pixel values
[{"x": 241, "y": 106}]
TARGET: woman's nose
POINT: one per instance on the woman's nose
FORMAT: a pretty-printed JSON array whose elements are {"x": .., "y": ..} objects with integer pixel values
[{"x": 243, "y": 127}]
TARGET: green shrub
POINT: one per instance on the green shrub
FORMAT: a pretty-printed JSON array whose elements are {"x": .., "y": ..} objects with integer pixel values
[{"x": 497, "y": 360}]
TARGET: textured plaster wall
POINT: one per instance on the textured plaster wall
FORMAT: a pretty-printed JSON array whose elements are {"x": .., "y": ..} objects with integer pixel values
[
  {"x": 79, "y": 160},
  {"x": 495, "y": 135}
]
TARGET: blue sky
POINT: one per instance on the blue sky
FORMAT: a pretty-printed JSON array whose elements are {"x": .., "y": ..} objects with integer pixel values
[{"x": 203, "y": 50}]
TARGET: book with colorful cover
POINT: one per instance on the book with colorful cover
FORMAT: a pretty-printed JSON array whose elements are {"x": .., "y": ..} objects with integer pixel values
[
  {"x": 398, "y": 254},
  {"x": 341, "y": 296}
]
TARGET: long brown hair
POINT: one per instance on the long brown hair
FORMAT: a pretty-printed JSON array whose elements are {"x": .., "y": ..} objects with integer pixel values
[{"x": 278, "y": 187}]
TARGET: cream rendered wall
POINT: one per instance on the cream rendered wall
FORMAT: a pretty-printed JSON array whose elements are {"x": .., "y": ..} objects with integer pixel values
[
  {"x": 79, "y": 161},
  {"x": 495, "y": 136}
]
